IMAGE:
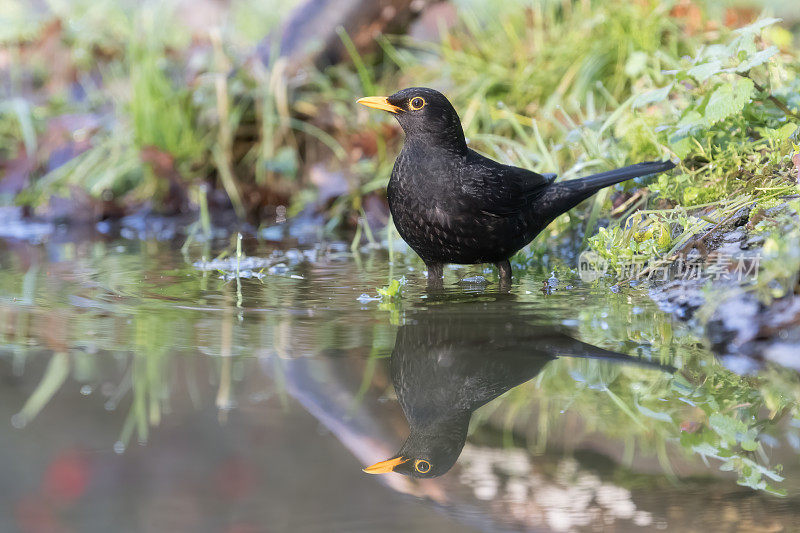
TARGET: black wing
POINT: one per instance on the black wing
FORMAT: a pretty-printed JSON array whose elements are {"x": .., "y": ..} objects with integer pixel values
[{"x": 500, "y": 190}]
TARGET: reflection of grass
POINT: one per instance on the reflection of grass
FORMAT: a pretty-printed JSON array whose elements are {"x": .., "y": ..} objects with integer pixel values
[
  {"x": 147, "y": 353},
  {"x": 119, "y": 333},
  {"x": 54, "y": 377},
  {"x": 703, "y": 409},
  {"x": 140, "y": 335},
  {"x": 132, "y": 344}
]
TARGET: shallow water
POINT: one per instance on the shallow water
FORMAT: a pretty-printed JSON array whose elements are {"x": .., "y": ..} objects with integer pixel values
[{"x": 141, "y": 392}]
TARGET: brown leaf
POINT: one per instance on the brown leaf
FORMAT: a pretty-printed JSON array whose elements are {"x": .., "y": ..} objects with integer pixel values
[
  {"x": 162, "y": 162},
  {"x": 736, "y": 17},
  {"x": 52, "y": 46},
  {"x": 689, "y": 14}
]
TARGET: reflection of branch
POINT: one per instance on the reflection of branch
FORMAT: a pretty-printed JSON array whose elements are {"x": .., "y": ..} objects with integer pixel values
[{"x": 780, "y": 104}]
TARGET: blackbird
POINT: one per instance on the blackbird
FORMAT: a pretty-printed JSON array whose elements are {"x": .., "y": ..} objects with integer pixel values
[
  {"x": 451, "y": 359},
  {"x": 453, "y": 205}
]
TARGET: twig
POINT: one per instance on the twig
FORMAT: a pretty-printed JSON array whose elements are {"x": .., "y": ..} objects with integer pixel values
[
  {"x": 635, "y": 197},
  {"x": 696, "y": 242},
  {"x": 780, "y": 104}
]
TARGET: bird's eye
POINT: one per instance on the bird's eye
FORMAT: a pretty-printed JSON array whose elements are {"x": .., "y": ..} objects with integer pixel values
[
  {"x": 422, "y": 466},
  {"x": 416, "y": 103}
]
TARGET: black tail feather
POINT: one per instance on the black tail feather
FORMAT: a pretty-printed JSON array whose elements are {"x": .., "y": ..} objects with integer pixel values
[
  {"x": 564, "y": 195},
  {"x": 595, "y": 182}
]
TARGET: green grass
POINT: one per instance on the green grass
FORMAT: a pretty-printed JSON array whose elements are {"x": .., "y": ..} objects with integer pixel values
[
  {"x": 140, "y": 53},
  {"x": 536, "y": 86},
  {"x": 570, "y": 87}
]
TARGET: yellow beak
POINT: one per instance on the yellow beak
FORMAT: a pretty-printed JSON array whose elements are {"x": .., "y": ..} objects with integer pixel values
[
  {"x": 379, "y": 102},
  {"x": 384, "y": 467}
]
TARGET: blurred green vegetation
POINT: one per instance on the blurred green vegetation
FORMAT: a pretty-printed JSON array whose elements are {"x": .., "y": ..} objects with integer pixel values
[
  {"x": 564, "y": 86},
  {"x": 155, "y": 78}
]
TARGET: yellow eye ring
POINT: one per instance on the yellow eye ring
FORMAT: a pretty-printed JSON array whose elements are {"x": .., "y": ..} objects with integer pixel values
[
  {"x": 422, "y": 466},
  {"x": 415, "y": 104}
]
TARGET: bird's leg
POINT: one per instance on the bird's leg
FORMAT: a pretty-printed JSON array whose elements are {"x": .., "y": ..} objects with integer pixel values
[
  {"x": 504, "y": 271},
  {"x": 435, "y": 273}
]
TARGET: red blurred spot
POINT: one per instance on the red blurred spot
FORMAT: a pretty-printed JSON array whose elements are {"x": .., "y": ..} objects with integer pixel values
[{"x": 66, "y": 477}]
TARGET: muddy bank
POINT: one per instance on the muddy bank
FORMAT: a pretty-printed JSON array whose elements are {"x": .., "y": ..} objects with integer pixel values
[{"x": 740, "y": 324}]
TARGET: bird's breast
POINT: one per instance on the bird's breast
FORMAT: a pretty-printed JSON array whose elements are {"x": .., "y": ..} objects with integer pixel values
[{"x": 439, "y": 220}]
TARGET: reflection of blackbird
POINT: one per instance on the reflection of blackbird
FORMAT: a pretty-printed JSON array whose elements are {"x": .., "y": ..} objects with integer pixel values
[
  {"x": 453, "y": 205},
  {"x": 446, "y": 363}
]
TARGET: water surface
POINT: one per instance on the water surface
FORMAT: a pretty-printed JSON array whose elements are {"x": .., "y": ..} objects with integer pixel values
[{"x": 144, "y": 392}]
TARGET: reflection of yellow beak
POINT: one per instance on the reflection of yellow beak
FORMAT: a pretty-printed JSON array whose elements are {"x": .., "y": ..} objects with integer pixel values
[
  {"x": 379, "y": 102},
  {"x": 384, "y": 467}
]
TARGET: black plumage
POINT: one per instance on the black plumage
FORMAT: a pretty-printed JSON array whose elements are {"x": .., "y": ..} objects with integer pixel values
[
  {"x": 453, "y": 205},
  {"x": 450, "y": 360}
]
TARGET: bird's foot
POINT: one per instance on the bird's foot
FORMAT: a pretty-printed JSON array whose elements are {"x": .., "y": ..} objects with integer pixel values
[
  {"x": 504, "y": 272},
  {"x": 435, "y": 274}
]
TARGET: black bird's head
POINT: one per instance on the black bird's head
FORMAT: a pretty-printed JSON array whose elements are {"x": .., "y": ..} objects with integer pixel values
[
  {"x": 425, "y": 115},
  {"x": 426, "y": 455}
]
